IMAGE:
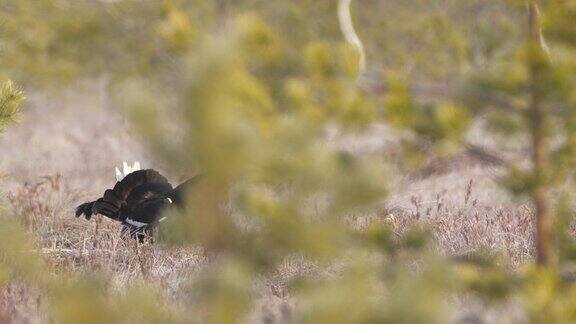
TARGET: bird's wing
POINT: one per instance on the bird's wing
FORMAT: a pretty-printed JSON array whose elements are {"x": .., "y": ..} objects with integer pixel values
[
  {"x": 113, "y": 199},
  {"x": 123, "y": 188}
]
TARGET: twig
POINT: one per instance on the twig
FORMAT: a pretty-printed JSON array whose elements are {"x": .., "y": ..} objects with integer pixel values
[{"x": 347, "y": 28}]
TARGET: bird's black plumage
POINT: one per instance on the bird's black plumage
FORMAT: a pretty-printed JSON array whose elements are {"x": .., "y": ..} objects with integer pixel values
[{"x": 137, "y": 201}]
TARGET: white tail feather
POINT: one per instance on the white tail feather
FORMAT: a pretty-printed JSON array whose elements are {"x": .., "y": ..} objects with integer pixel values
[
  {"x": 126, "y": 170},
  {"x": 119, "y": 175}
]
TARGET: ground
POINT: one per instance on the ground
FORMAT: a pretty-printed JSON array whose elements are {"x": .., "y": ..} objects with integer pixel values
[{"x": 63, "y": 152}]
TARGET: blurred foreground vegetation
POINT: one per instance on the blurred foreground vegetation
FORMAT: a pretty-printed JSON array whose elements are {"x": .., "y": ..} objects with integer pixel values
[{"x": 244, "y": 92}]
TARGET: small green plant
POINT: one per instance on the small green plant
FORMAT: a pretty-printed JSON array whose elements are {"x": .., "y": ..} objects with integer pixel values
[{"x": 10, "y": 99}]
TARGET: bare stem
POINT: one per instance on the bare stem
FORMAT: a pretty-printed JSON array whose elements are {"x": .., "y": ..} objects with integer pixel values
[
  {"x": 537, "y": 60},
  {"x": 347, "y": 27}
]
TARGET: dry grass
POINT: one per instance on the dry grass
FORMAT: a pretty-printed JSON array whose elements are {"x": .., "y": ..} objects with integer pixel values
[{"x": 64, "y": 152}]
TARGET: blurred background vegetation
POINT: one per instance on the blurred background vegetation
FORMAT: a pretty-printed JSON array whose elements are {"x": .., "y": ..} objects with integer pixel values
[{"x": 246, "y": 93}]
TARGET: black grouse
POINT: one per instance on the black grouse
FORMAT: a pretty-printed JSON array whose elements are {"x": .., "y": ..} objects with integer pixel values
[{"x": 137, "y": 201}]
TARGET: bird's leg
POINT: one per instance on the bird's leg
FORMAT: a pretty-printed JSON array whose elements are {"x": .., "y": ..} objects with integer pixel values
[{"x": 95, "y": 237}]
